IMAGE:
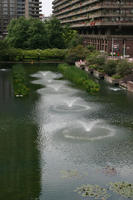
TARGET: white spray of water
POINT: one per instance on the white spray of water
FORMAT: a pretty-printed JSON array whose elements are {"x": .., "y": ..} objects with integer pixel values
[{"x": 88, "y": 126}]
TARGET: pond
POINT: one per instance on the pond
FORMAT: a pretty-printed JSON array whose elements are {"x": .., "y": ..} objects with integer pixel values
[{"x": 60, "y": 137}]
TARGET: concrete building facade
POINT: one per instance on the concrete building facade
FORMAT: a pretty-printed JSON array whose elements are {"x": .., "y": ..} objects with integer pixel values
[
  {"x": 106, "y": 24},
  {"x": 15, "y": 8}
]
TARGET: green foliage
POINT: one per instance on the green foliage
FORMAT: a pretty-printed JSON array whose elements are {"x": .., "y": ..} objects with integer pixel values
[
  {"x": 20, "y": 81},
  {"x": 91, "y": 58},
  {"x": 18, "y": 33},
  {"x": 37, "y": 37},
  {"x": 19, "y": 54},
  {"x": 55, "y": 33},
  {"x": 116, "y": 76},
  {"x": 123, "y": 68},
  {"x": 96, "y": 60},
  {"x": 11, "y": 55},
  {"x": 91, "y": 48},
  {"x": 3, "y": 45},
  {"x": 92, "y": 191},
  {"x": 110, "y": 67},
  {"x": 34, "y": 34},
  {"x": 79, "y": 77},
  {"x": 124, "y": 189},
  {"x": 74, "y": 40},
  {"x": 76, "y": 53}
]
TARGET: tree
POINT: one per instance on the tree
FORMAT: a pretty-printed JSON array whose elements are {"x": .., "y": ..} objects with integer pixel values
[
  {"x": 34, "y": 34},
  {"x": 3, "y": 44},
  {"x": 18, "y": 33},
  {"x": 76, "y": 53},
  {"x": 55, "y": 33},
  {"x": 71, "y": 37},
  {"x": 37, "y": 36}
]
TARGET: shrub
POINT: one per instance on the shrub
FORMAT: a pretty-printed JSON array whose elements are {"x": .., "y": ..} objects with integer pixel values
[
  {"x": 3, "y": 44},
  {"x": 19, "y": 54},
  {"x": 110, "y": 67},
  {"x": 91, "y": 57},
  {"x": 75, "y": 41},
  {"x": 77, "y": 53},
  {"x": 123, "y": 68},
  {"x": 116, "y": 76},
  {"x": 91, "y": 48}
]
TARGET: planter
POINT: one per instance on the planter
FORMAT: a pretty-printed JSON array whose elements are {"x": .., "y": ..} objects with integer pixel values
[
  {"x": 82, "y": 67},
  {"x": 90, "y": 70},
  {"x": 123, "y": 84},
  {"x": 86, "y": 68},
  {"x": 130, "y": 86},
  {"x": 98, "y": 75},
  {"x": 111, "y": 80}
]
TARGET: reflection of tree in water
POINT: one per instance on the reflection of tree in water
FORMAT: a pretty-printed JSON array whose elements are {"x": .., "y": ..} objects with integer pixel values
[
  {"x": 19, "y": 160},
  {"x": 6, "y": 90}
]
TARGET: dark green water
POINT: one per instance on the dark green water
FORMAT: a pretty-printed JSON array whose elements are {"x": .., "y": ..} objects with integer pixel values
[{"x": 60, "y": 137}]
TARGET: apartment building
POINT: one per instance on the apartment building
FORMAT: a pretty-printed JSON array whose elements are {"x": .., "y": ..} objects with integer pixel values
[
  {"x": 15, "y": 8},
  {"x": 106, "y": 24}
]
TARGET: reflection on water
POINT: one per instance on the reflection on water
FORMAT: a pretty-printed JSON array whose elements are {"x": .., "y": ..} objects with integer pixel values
[
  {"x": 81, "y": 133},
  {"x": 19, "y": 156},
  {"x": 6, "y": 90},
  {"x": 61, "y": 137}
]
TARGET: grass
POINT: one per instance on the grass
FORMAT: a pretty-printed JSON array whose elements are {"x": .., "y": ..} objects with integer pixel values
[{"x": 79, "y": 77}]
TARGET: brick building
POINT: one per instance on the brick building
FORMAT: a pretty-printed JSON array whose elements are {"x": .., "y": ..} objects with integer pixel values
[
  {"x": 15, "y": 8},
  {"x": 106, "y": 24}
]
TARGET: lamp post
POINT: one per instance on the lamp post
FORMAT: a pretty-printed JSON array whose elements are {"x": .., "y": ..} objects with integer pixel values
[{"x": 112, "y": 47}]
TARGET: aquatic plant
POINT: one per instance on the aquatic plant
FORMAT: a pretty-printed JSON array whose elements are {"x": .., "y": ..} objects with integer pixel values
[
  {"x": 124, "y": 189},
  {"x": 79, "y": 77},
  {"x": 20, "y": 81},
  {"x": 92, "y": 191}
]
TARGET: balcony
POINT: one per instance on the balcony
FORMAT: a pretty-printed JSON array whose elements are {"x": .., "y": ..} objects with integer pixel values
[
  {"x": 76, "y": 1},
  {"x": 99, "y": 23},
  {"x": 79, "y": 6},
  {"x": 84, "y": 18},
  {"x": 83, "y": 11}
]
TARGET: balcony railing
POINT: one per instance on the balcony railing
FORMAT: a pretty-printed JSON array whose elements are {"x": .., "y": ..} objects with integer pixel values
[
  {"x": 73, "y": 2},
  {"x": 85, "y": 10},
  {"x": 103, "y": 5},
  {"x": 77, "y": 6},
  {"x": 100, "y": 23}
]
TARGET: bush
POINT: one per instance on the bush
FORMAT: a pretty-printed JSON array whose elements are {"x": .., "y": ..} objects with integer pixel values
[
  {"x": 19, "y": 54},
  {"x": 77, "y": 53},
  {"x": 10, "y": 55},
  {"x": 123, "y": 68},
  {"x": 75, "y": 41},
  {"x": 116, "y": 76},
  {"x": 91, "y": 48},
  {"x": 91, "y": 57},
  {"x": 78, "y": 77},
  {"x": 3, "y": 44},
  {"x": 110, "y": 67}
]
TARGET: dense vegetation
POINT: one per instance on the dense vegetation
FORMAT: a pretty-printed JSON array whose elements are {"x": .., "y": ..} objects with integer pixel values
[
  {"x": 26, "y": 55},
  {"x": 76, "y": 53},
  {"x": 79, "y": 77},
  {"x": 20, "y": 82},
  {"x": 31, "y": 39},
  {"x": 34, "y": 34},
  {"x": 115, "y": 68}
]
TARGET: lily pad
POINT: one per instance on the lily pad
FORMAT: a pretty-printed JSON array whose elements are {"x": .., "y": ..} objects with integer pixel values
[
  {"x": 93, "y": 192},
  {"x": 124, "y": 189}
]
